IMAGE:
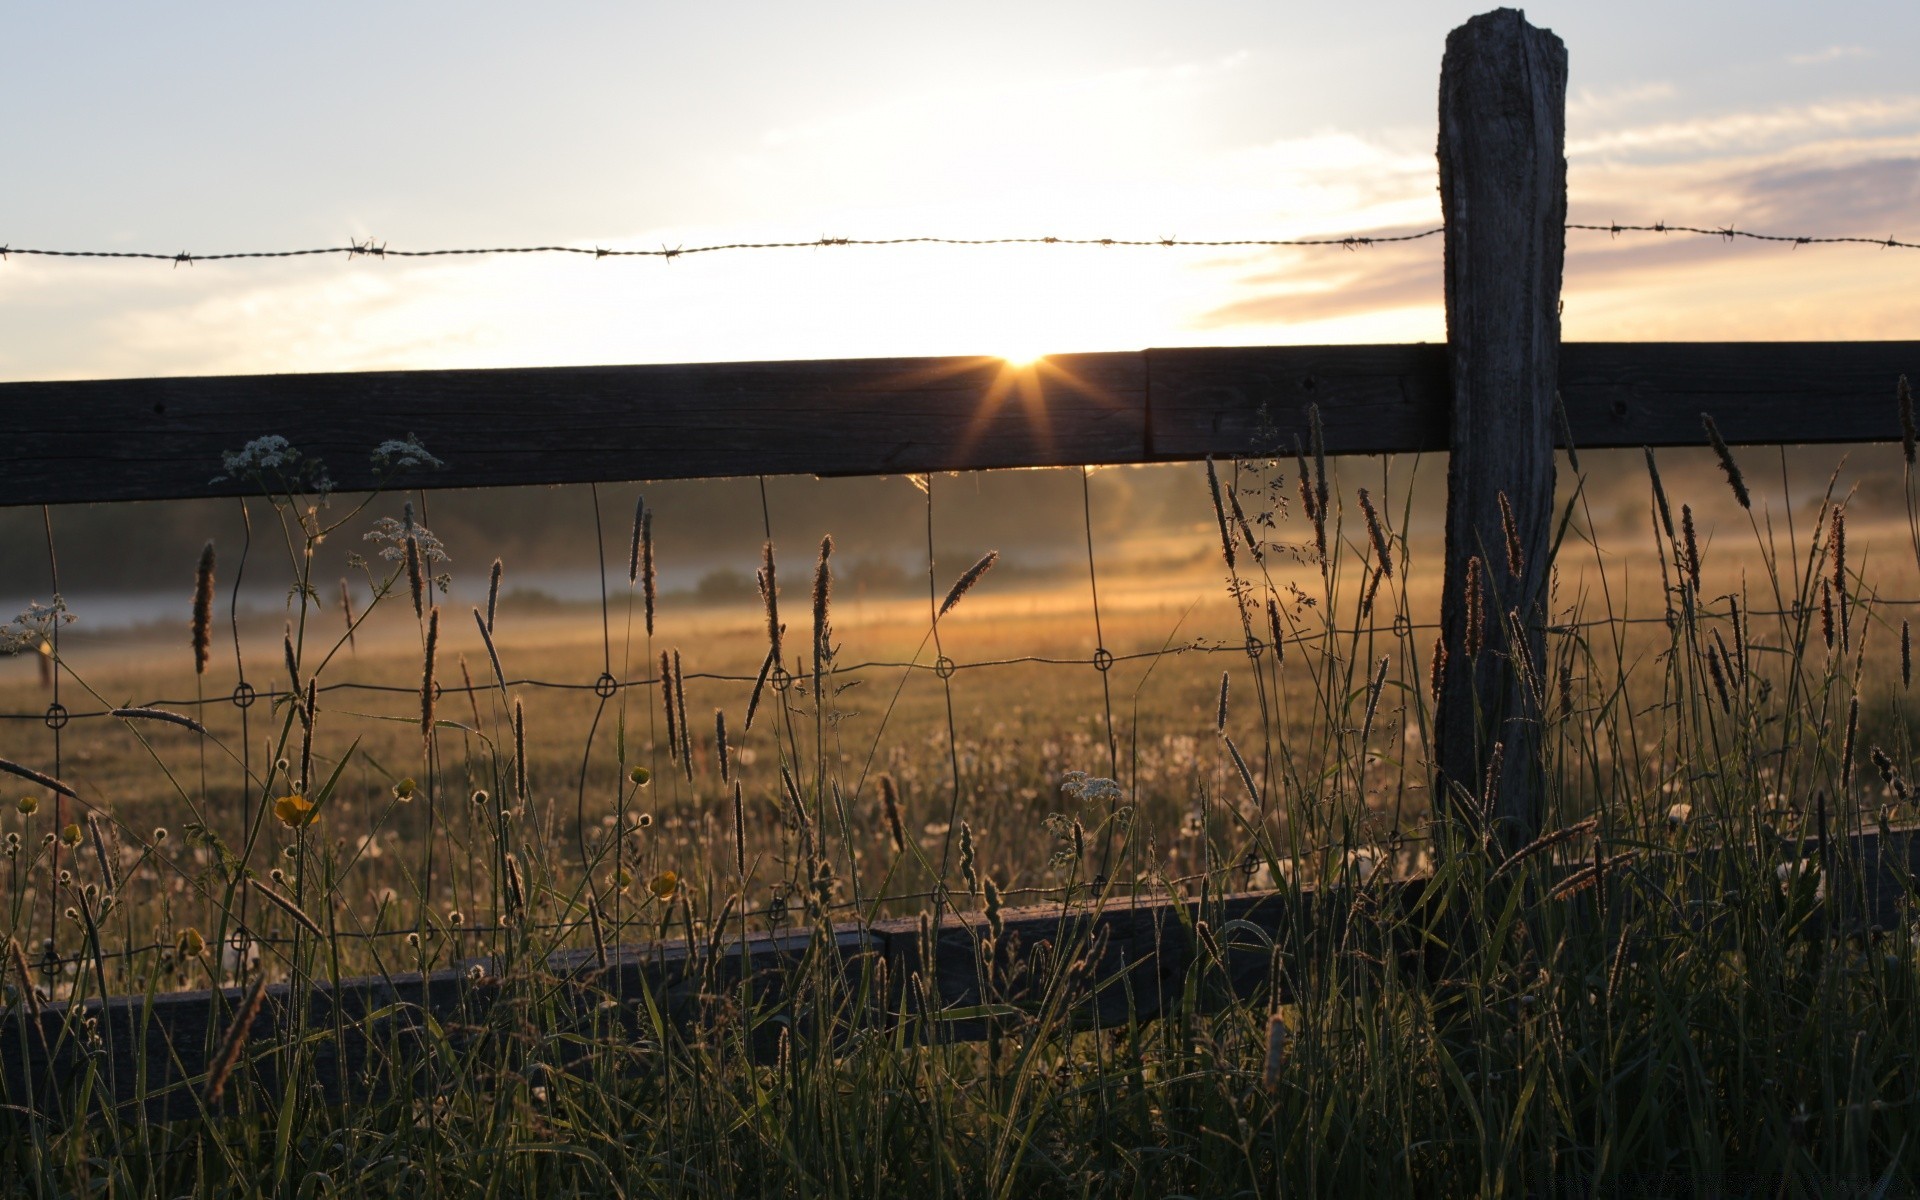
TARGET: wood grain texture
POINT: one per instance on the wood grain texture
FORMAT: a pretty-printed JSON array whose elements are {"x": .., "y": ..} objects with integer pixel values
[
  {"x": 162, "y": 438},
  {"x": 1503, "y": 194},
  {"x": 1138, "y": 959},
  {"x": 156, "y": 439}
]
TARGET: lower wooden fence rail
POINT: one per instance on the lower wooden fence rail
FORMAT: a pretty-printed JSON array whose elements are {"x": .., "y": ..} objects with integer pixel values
[{"x": 1105, "y": 964}]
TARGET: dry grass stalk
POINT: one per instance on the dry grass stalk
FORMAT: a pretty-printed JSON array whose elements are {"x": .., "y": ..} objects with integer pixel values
[
  {"x": 285, "y": 904},
  {"x": 1718, "y": 675},
  {"x": 1306, "y": 479},
  {"x": 1590, "y": 875},
  {"x": 1566, "y": 432},
  {"x": 1906, "y": 654},
  {"x": 964, "y": 584},
  {"x": 666, "y": 700},
  {"x": 822, "y": 602},
  {"x": 1659, "y": 493},
  {"x": 203, "y": 610},
  {"x": 520, "y": 750},
  {"x": 759, "y": 686},
  {"x": 307, "y": 707},
  {"x": 292, "y": 661},
  {"x": 1279, "y": 1040},
  {"x": 1438, "y": 677},
  {"x": 633, "y": 551},
  {"x": 1846, "y": 747},
  {"x": 770, "y": 598},
  {"x": 1220, "y": 717},
  {"x": 238, "y": 1031},
  {"x": 1739, "y": 636},
  {"x": 1240, "y": 765},
  {"x": 493, "y": 596},
  {"x": 720, "y": 745},
  {"x": 346, "y": 612},
  {"x": 98, "y": 833},
  {"x": 969, "y": 862},
  {"x": 1320, "y": 493},
  {"x": 1826, "y": 611},
  {"x": 158, "y": 714},
  {"x": 1839, "y": 546},
  {"x": 739, "y": 830},
  {"x": 1510, "y": 532},
  {"x": 890, "y": 810},
  {"x": 493, "y": 655},
  {"x": 473, "y": 695},
  {"x": 1240, "y": 520},
  {"x": 33, "y": 776},
  {"x": 1476, "y": 615},
  {"x": 1275, "y": 631},
  {"x": 1735, "y": 480},
  {"x": 516, "y": 886},
  {"x": 1544, "y": 843},
  {"x": 1220, "y": 515},
  {"x": 1374, "y": 689},
  {"x": 680, "y": 714},
  {"x": 1690, "y": 548},
  {"x": 792, "y": 790},
  {"x": 426, "y": 672},
  {"x": 416, "y": 578},
  {"x": 1490, "y": 782},
  {"x": 1377, "y": 532},
  {"x": 599, "y": 934},
  {"x": 649, "y": 586},
  {"x": 29, "y": 992}
]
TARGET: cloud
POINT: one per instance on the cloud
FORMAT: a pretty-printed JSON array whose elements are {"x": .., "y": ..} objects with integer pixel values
[
  {"x": 1830, "y": 54},
  {"x": 1591, "y": 104},
  {"x": 1735, "y": 132}
]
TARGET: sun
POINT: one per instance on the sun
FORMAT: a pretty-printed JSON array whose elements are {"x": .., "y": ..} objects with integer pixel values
[{"x": 1022, "y": 358}]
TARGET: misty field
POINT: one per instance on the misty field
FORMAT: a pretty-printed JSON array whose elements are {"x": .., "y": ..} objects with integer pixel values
[{"x": 415, "y": 790}]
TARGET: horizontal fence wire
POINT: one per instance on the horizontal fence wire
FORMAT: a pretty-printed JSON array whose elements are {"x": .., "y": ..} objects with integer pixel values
[
  {"x": 381, "y": 250},
  {"x": 1254, "y": 649}
]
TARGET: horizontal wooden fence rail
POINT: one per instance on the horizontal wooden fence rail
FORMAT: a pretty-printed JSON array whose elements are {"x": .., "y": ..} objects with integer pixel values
[
  {"x": 1140, "y": 955},
  {"x": 157, "y": 439}
]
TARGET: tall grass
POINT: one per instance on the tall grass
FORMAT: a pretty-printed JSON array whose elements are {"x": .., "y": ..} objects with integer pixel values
[{"x": 1687, "y": 986}]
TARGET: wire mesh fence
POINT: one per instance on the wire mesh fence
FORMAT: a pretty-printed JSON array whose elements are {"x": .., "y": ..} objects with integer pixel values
[{"x": 1211, "y": 677}]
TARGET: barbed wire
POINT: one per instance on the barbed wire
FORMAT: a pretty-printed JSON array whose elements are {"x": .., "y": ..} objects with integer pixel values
[
  {"x": 355, "y": 249},
  {"x": 371, "y": 249}
]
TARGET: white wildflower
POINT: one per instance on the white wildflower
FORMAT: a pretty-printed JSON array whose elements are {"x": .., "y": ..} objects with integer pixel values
[
  {"x": 395, "y": 534},
  {"x": 402, "y": 454},
  {"x": 1090, "y": 788},
  {"x": 274, "y": 455},
  {"x": 33, "y": 628}
]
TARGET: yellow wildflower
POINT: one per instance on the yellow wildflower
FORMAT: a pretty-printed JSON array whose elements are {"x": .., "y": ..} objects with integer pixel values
[
  {"x": 640, "y": 775},
  {"x": 664, "y": 885},
  {"x": 403, "y": 791},
  {"x": 70, "y": 836},
  {"x": 294, "y": 811},
  {"x": 28, "y": 805},
  {"x": 191, "y": 944},
  {"x": 622, "y": 880}
]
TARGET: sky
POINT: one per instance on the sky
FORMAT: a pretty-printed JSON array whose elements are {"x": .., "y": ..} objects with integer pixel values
[{"x": 220, "y": 127}]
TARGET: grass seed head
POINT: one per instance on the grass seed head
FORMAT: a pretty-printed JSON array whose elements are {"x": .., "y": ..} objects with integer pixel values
[
  {"x": 1220, "y": 514},
  {"x": 203, "y": 610},
  {"x": 890, "y": 810},
  {"x": 1735, "y": 480},
  {"x": 964, "y": 584}
]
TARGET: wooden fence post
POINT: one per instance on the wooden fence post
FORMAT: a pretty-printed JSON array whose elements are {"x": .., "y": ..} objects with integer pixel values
[{"x": 1503, "y": 193}]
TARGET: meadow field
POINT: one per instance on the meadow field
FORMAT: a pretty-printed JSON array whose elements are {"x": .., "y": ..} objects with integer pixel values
[{"x": 417, "y": 787}]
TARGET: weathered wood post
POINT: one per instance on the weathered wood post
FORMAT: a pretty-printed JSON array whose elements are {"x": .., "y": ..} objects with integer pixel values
[{"x": 1503, "y": 193}]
